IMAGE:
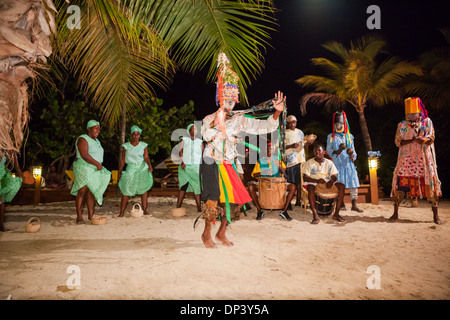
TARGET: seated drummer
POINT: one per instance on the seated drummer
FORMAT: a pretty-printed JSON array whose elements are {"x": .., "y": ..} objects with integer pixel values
[
  {"x": 268, "y": 165},
  {"x": 321, "y": 170}
]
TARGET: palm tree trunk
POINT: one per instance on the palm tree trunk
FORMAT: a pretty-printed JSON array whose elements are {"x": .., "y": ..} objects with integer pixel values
[{"x": 364, "y": 129}]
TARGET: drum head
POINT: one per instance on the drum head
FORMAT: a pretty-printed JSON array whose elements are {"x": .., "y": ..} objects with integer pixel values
[{"x": 326, "y": 193}]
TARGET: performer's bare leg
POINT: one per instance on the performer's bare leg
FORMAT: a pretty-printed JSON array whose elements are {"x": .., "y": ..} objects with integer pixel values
[
  {"x": 254, "y": 196},
  {"x": 220, "y": 235},
  {"x": 354, "y": 207},
  {"x": 396, "y": 199},
  {"x": 198, "y": 202},
  {"x": 340, "y": 201},
  {"x": 312, "y": 203},
  {"x": 123, "y": 205},
  {"x": 144, "y": 197},
  {"x": 181, "y": 195},
  {"x": 354, "y": 197},
  {"x": 206, "y": 235},
  {"x": 298, "y": 201},
  {"x": 434, "y": 208},
  {"x": 90, "y": 204},
  {"x": 210, "y": 211},
  {"x": 291, "y": 192},
  {"x": 79, "y": 203}
]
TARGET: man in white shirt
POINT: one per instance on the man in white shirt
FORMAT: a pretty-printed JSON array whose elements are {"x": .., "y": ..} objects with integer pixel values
[
  {"x": 320, "y": 170},
  {"x": 295, "y": 155}
]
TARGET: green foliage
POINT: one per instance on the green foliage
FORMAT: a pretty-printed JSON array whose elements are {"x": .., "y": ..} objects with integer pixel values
[
  {"x": 52, "y": 137},
  {"x": 158, "y": 123}
]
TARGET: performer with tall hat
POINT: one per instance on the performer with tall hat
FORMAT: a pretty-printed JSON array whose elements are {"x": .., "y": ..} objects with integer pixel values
[
  {"x": 220, "y": 131},
  {"x": 341, "y": 148},
  {"x": 416, "y": 169}
]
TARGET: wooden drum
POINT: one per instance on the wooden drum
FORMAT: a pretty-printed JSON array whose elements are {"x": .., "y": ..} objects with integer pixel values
[
  {"x": 272, "y": 192},
  {"x": 325, "y": 199}
]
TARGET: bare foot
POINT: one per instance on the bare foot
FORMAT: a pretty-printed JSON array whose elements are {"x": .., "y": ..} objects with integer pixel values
[
  {"x": 224, "y": 240},
  {"x": 207, "y": 241},
  {"x": 356, "y": 209},
  {"x": 80, "y": 221},
  {"x": 393, "y": 218},
  {"x": 337, "y": 217},
  {"x": 438, "y": 221}
]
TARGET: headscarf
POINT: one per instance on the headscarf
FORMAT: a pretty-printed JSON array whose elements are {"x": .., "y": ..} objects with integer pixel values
[
  {"x": 136, "y": 128},
  {"x": 189, "y": 127},
  {"x": 92, "y": 123}
]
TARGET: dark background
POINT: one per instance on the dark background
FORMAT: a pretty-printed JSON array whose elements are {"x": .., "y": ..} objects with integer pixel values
[{"x": 410, "y": 28}]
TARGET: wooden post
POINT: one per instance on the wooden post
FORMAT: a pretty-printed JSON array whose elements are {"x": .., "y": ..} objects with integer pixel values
[
  {"x": 37, "y": 189},
  {"x": 373, "y": 186}
]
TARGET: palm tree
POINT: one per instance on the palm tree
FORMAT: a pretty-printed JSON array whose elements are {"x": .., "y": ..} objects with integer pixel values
[
  {"x": 433, "y": 86},
  {"x": 126, "y": 47},
  {"x": 358, "y": 78},
  {"x": 25, "y": 32}
]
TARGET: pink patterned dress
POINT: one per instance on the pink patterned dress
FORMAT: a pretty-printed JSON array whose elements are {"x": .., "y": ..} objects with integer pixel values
[{"x": 416, "y": 170}]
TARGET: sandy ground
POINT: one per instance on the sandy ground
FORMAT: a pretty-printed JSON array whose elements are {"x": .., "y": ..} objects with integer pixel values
[{"x": 162, "y": 257}]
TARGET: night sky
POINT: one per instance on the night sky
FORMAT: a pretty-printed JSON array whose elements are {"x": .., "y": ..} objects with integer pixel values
[{"x": 410, "y": 27}]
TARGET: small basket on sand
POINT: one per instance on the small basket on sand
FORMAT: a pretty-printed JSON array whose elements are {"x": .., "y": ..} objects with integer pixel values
[
  {"x": 33, "y": 225},
  {"x": 136, "y": 211},
  {"x": 178, "y": 212},
  {"x": 98, "y": 220}
]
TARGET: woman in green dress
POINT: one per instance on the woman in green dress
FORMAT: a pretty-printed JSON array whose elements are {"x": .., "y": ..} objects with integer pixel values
[
  {"x": 137, "y": 179},
  {"x": 189, "y": 169},
  {"x": 9, "y": 185},
  {"x": 91, "y": 178}
]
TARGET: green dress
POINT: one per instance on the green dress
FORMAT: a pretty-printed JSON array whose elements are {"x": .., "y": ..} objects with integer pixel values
[
  {"x": 192, "y": 157},
  {"x": 9, "y": 185},
  {"x": 136, "y": 179},
  {"x": 86, "y": 174}
]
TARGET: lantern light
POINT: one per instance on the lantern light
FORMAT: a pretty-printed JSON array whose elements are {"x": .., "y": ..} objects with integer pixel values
[
  {"x": 373, "y": 163},
  {"x": 37, "y": 171}
]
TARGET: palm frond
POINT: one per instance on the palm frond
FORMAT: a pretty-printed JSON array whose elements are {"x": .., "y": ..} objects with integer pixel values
[
  {"x": 196, "y": 31},
  {"x": 330, "y": 101},
  {"x": 118, "y": 61}
]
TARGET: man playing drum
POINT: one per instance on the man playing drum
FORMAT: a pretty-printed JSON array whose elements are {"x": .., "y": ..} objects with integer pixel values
[
  {"x": 320, "y": 170},
  {"x": 267, "y": 166}
]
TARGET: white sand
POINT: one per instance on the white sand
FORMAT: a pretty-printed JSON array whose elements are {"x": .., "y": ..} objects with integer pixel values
[{"x": 161, "y": 257}]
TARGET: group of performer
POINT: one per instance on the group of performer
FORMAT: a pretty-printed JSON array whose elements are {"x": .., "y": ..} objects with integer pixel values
[{"x": 210, "y": 168}]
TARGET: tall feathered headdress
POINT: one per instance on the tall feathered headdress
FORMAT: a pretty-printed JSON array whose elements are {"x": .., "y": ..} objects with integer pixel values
[{"x": 227, "y": 81}]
